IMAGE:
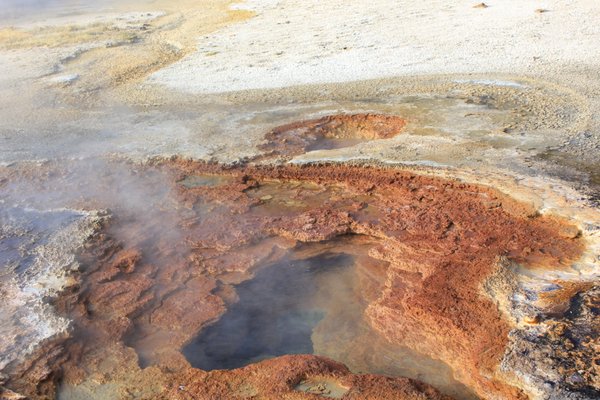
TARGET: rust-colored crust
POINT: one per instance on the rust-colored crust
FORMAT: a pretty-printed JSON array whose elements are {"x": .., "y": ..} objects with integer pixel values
[{"x": 441, "y": 238}]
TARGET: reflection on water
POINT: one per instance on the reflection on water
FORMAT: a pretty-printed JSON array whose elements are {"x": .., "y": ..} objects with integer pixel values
[
  {"x": 333, "y": 143},
  {"x": 275, "y": 315},
  {"x": 313, "y": 302}
]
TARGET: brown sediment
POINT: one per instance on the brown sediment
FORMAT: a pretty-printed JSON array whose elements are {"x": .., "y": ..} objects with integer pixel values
[
  {"x": 281, "y": 376},
  {"x": 331, "y": 132},
  {"x": 442, "y": 240},
  {"x": 139, "y": 303}
]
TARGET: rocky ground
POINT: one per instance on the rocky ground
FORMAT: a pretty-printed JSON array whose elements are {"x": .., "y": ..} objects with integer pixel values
[{"x": 155, "y": 155}]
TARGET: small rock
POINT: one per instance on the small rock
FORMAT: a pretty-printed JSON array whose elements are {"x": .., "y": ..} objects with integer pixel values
[
  {"x": 307, "y": 227},
  {"x": 6, "y": 394},
  {"x": 569, "y": 231},
  {"x": 575, "y": 378},
  {"x": 532, "y": 319},
  {"x": 568, "y": 344},
  {"x": 492, "y": 204}
]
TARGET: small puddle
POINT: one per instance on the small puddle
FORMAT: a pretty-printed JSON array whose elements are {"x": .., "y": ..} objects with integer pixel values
[
  {"x": 571, "y": 168},
  {"x": 278, "y": 197},
  {"x": 313, "y": 302},
  {"x": 331, "y": 132},
  {"x": 276, "y": 314},
  {"x": 474, "y": 121},
  {"x": 193, "y": 181},
  {"x": 323, "y": 387}
]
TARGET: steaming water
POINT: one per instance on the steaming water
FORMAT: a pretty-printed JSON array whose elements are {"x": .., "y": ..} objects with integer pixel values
[
  {"x": 44, "y": 223},
  {"x": 275, "y": 315},
  {"x": 314, "y": 305},
  {"x": 36, "y": 256},
  {"x": 143, "y": 200},
  {"x": 312, "y": 301}
]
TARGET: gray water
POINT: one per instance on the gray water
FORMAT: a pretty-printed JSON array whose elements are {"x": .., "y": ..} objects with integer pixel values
[{"x": 313, "y": 302}]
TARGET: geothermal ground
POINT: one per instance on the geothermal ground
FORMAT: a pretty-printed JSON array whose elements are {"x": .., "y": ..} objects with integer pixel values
[{"x": 284, "y": 199}]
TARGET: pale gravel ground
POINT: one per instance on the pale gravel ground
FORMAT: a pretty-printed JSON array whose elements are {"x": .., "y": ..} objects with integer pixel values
[{"x": 293, "y": 42}]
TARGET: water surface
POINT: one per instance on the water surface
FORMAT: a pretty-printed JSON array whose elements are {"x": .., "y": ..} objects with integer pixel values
[{"x": 314, "y": 302}]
